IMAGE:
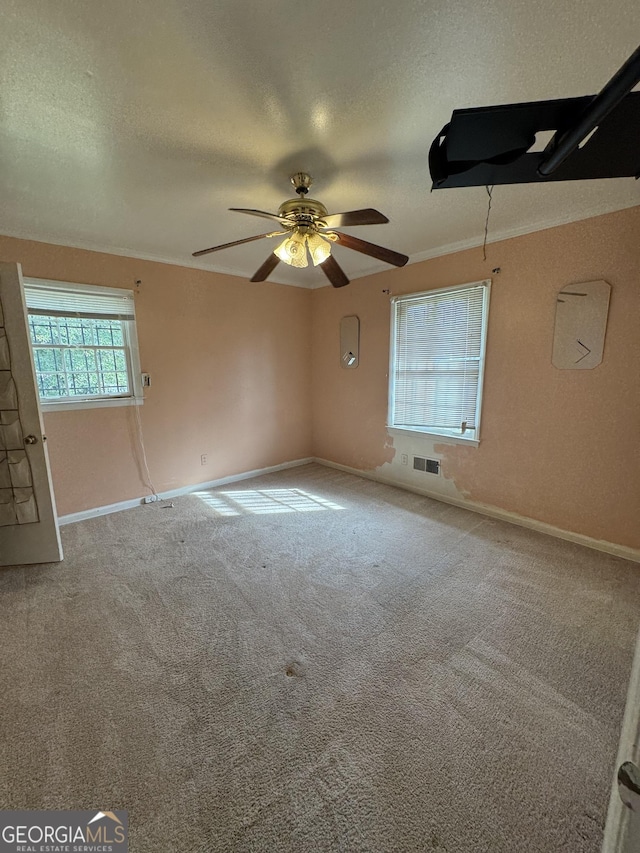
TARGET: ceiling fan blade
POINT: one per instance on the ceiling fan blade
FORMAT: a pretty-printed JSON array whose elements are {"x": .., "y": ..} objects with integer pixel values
[
  {"x": 262, "y": 213},
  {"x": 235, "y": 243},
  {"x": 263, "y": 272},
  {"x": 368, "y": 216},
  {"x": 379, "y": 252},
  {"x": 334, "y": 272}
]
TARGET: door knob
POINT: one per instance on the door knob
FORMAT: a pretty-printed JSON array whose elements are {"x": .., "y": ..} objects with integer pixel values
[
  {"x": 30, "y": 439},
  {"x": 629, "y": 785}
]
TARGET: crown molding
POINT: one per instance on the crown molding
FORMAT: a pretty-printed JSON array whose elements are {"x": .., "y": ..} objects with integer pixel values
[
  {"x": 521, "y": 231},
  {"x": 499, "y": 236},
  {"x": 428, "y": 254},
  {"x": 121, "y": 252}
]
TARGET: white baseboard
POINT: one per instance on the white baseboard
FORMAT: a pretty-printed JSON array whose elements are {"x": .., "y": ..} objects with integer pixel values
[
  {"x": 484, "y": 509},
  {"x": 174, "y": 493},
  {"x": 495, "y": 512}
]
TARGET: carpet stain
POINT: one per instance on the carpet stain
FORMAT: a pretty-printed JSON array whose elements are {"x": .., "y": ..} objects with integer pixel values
[{"x": 294, "y": 670}]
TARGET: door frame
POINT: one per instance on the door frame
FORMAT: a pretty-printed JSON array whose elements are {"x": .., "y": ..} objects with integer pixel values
[{"x": 621, "y": 821}]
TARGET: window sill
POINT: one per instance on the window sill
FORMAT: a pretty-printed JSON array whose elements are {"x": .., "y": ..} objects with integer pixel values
[
  {"x": 70, "y": 405},
  {"x": 447, "y": 439}
]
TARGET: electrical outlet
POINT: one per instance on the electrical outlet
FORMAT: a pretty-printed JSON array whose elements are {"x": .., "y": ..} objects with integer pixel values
[
  {"x": 405, "y": 459},
  {"x": 203, "y": 459},
  {"x": 150, "y": 499}
]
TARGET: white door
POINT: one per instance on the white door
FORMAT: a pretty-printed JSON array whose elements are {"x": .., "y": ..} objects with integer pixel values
[
  {"x": 622, "y": 831},
  {"x": 28, "y": 521}
]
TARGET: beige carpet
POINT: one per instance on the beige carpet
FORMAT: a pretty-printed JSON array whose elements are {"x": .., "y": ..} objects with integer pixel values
[{"x": 310, "y": 661}]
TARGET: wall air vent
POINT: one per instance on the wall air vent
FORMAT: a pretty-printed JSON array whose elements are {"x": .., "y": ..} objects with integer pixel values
[{"x": 429, "y": 466}]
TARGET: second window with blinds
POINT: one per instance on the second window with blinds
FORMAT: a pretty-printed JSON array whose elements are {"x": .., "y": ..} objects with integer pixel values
[{"x": 438, "y": 341}]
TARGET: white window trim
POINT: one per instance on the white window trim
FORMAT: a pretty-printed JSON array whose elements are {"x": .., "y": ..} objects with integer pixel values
[
  {"x": 443, "y": 436},
  {"x": 136, "y": 398},
  {"x": 69, "y": 404}
]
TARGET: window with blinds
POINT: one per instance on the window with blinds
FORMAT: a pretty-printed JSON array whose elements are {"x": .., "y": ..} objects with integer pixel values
[
  {"x": 83, "y": 340},
  {"x": 437, "y": 360}
]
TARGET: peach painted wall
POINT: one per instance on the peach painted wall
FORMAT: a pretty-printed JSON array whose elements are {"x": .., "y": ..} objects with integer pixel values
[
  {"x": 558, "y": 446},
  {"x": 230, "y": 370}
]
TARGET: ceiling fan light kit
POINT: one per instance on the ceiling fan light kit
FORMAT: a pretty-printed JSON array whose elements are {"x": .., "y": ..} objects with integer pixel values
[
  {"x": 309, "y": 228},
  {"x": 319, "y": 247},
  {"x": 293, "y": 249}
]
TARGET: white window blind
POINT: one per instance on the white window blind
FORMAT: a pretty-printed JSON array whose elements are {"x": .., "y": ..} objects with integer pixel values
[
  {"x": 438, "y": 359},
  {"x": 84, "y": 343},
  {"x": 58, "y": 299}
]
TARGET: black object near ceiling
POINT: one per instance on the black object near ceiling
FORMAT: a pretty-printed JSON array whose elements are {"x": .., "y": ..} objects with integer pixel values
[{"x": 595, "y": 136}]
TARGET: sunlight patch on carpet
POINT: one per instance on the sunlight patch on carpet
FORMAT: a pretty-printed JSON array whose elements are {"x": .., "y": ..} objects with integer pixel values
[{"x": 265, "y": 501}]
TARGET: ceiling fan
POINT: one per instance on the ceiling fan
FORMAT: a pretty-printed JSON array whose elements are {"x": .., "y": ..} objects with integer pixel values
[{"x": 306, "y": 226}]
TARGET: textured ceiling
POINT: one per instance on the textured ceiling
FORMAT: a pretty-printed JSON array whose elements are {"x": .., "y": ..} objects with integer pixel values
[{"x": 133, "y": 126}]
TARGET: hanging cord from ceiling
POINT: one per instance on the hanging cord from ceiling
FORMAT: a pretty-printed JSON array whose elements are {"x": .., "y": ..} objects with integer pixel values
[{"x": 489, "y": 190}]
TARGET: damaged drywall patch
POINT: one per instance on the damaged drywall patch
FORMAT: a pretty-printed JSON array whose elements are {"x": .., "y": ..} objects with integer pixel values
[
  {"x": 457, "y": 459},
  {"x": 389, "y": 447},
  {"x": 399, "y": 468}
]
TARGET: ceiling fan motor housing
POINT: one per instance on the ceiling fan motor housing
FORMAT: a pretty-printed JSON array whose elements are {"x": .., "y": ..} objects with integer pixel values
[{"x": 303, "y": 211}]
